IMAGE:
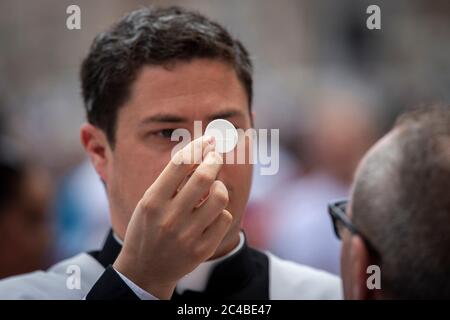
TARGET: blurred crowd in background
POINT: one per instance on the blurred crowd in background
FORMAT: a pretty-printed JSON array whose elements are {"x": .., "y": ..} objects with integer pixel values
[{"x": 329, "y": 84}]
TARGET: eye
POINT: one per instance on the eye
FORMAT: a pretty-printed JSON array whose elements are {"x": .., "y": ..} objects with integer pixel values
[{"x": 164, "y": 133}]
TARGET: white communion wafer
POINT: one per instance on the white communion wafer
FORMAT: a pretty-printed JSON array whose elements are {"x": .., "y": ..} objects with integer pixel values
[{"x": 225, "y": 134}]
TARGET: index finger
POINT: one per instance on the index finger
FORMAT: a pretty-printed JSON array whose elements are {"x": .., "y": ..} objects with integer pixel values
[{"x": 165, "y": 186}]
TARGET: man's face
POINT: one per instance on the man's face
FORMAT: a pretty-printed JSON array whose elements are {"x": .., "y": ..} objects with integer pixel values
[
  {"x": 161, "y": 101},
  {"x": 25, "y": 228}
]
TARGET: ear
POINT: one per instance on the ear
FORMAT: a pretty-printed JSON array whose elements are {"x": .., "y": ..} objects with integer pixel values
[
  {"x": 97, "y": 147},
  {"x": 360, "y": 260}
]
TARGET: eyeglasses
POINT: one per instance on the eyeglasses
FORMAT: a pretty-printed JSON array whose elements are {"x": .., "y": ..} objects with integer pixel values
[{"x": 341, "y": 221}]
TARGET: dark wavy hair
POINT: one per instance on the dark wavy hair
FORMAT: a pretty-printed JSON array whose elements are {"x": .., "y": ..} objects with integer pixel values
[{"x": 152, "y": 36}]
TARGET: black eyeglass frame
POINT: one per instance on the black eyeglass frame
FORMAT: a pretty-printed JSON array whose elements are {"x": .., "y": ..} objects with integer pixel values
[{"x": 338, "y": 214}]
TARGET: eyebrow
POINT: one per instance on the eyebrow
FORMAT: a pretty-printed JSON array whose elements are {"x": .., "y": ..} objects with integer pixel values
[
  {"x": 164, "y": 117},
  {"x": 167, "y": 117},
  {"x": 225, "y": 114}
]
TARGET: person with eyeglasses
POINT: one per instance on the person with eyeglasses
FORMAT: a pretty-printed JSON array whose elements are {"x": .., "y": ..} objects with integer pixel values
[{"x": 398, "y": 215}]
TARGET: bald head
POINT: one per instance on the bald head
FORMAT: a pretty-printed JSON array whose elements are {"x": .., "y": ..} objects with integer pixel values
[{"x": 401, "y": 203}]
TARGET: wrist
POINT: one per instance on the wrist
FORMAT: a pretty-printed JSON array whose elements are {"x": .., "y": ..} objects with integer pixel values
[{"x": 160, "y": 290}]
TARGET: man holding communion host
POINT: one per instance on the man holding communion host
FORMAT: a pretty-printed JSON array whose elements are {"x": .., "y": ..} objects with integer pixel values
[{"x": 155, "y": 71}]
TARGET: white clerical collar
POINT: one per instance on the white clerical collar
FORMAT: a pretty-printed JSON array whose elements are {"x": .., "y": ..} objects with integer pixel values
[{"x": 198, "y": 278}]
